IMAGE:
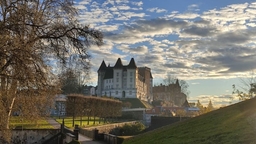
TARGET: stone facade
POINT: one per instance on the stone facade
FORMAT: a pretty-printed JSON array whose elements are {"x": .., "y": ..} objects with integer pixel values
[
  {"x": 170, "y": 93},
  {"x": 125, "y": 81}
]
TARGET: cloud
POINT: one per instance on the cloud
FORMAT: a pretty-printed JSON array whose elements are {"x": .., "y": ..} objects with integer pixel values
[
  {"x": 199, "y": 31},
  {"x": 217, "y": 100},
  {"x": 214, "y": 43},
  {"x": 186, "y": 16},
  {"x": 140, "y": 3},
  {"x": 195, "y": 83},
  {"x": 157, "y": 10}
]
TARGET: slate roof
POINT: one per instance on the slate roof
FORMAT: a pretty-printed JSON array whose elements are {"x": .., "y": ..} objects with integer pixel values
[
  {"x": 102, "y": 66},
  {"x": 109, "y": 73},
  {"x": 118, "y": 64},
  {"x": 132, "y": 64},
  {"x": 186, "y": 104}
]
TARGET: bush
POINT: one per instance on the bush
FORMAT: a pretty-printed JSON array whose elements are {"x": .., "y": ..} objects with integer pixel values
[{"x": 128, "y": 129}]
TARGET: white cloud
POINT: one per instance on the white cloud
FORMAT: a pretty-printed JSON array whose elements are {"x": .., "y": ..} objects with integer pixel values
[
  {"x": 140, "y": 3},
  {"x": 157, "y": 10},
  {"x": 123, "y": 7},
  {"x": 186, "y": 16}
]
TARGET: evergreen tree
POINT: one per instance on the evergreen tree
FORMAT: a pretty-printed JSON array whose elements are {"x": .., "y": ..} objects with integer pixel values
[
  {"x": 210, "y": 106},
  {"x": 200, "y": 106}
]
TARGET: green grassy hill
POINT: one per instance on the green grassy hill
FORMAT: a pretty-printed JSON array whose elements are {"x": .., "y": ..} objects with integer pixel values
[
  {"x": 235, "y": 124},
  {"x": 136, "y": 103}
]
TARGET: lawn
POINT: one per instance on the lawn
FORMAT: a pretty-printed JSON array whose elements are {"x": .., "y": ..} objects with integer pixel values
[
  {"x": 27, "y": 124},
  {"x": 84, "y": 123},
  {"x": 235, "y": 124},
  {"x": 136, "y": 103}
]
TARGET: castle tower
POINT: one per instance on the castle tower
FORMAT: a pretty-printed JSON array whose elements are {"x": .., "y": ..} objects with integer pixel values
[
  {"x": 132, "y": 75},
  {"x": 101, "y": 75},
  {"x": 117, "y": 77}
]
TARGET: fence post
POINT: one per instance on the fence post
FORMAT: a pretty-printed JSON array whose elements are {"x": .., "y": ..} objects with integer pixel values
[
  {"x": 95, "y": 134},
  {"x": 76, "y": 130}
]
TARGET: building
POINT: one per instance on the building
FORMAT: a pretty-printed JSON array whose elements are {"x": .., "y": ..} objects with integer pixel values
[
  {"x": 59, "y": 107},
  {"x": 170, "y": 94},
  {"x": 125, "y": 81},
  {"x": 88, "y": 90}
]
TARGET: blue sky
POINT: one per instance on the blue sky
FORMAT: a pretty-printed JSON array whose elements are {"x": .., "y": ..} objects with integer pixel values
[{"x": 210, "y": 44}]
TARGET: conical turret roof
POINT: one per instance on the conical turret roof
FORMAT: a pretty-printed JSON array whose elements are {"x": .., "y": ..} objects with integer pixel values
[
  {"x": 102, "y": 66},
  {"x": 132, "y": 64},
  {"x": 118, "y": 64}
]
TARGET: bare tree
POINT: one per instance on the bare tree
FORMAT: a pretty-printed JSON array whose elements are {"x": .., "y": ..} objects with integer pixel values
[
  {"x": 32, "y": 33},
  {"x": 171, "y": 79},
  {"x": 247, "y": 89}
]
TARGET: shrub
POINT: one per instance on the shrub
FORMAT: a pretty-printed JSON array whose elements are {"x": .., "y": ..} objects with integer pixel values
[{"x": 128, "y": 129}]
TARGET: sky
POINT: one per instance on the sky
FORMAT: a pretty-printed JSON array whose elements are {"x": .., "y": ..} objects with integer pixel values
[{"x": 210, "y": 44}]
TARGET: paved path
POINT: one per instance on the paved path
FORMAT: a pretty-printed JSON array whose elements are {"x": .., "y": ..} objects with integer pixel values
[
  {"x": 83, "y": 139},
  {"x": 55, "y": 124}
]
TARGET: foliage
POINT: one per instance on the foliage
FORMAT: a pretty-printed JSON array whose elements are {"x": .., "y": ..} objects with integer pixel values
[
  {"x": 126, "y": 105},
  {"x": 129, "y": 129},
  {"x": 68, "y": 121},
  {"x": 69, "y": 82},
  {"x": 181, "y": 113},
  {"x": 79, "y": 105},
  {"x": 200, "y": 106},
  {"x": 170, "y": 79},
  {"x": 28, "y": 124},
  {"x": 234, "y": 124},
  {"x": 210, "y": 107},
  {"x": 33, "y": 33},
  {"x": 244, "y": 95},
  {"x": 247, "y": 90}
]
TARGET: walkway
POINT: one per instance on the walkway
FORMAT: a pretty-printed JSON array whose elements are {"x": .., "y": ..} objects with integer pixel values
[{"x": 83, "y": 139}]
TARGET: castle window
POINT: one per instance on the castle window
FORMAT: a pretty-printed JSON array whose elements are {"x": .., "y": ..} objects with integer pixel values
[
  {"x": 130, "y": 73},
  {"x": 117, "y": 74},
  {"x": 130, "y": 79},
  {"x": 116, "y": 92},
  {"x": 117, "y": 86},
  {"x": 117, "y": 80},
  {"x": 130, "y": 92}
]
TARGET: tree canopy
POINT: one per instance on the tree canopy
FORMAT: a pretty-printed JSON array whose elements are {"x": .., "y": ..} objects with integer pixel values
[
  {"x": 247, "y": 87},
  {"x": 33, "y": 33}
]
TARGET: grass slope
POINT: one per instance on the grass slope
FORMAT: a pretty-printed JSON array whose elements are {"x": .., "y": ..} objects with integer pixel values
[
  {"x": 68, "y": 121},
  {"x": 235, "y": 124},
  {"x": 136, "y": 103},
  {"x": 27, "y": 124}
]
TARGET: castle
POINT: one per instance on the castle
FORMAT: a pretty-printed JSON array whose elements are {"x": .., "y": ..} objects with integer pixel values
[
  {"x": 125, "y": 81},
  {"x": 170, "y": 93}
]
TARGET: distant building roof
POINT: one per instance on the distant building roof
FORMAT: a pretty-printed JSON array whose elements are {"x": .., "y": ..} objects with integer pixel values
[{"x": 186, "y": 104}]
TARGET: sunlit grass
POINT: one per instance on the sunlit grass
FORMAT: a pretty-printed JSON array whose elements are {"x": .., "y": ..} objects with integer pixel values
[
  {"x": 28, "y": 124},
  {"x": 68, "y": 121},
  {"x": 235, "y": 124}
]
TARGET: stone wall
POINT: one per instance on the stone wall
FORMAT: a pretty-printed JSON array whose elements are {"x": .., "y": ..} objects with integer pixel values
[
  {"x": 90, "y": 131},
  {"x": 30, "y": 136}
]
